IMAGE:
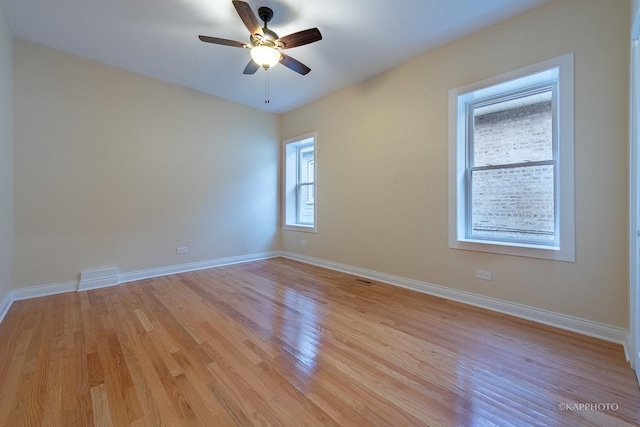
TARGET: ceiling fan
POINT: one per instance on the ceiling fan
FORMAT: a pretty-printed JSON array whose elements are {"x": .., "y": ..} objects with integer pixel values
[{"x": 266, "y": 46}]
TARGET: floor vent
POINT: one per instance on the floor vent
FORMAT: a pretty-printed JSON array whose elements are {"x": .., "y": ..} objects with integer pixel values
[{"x": 364, "y": 282}]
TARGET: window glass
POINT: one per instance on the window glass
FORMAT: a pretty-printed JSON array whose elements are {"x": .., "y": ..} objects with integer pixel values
[
  {"x": 513, "y": 131},
  {"x": 514, "y": 204}
]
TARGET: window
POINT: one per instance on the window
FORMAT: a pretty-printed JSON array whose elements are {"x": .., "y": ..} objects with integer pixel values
[
  {"x": 299, "y": 183},
  {"x": 511, "y": 163}
]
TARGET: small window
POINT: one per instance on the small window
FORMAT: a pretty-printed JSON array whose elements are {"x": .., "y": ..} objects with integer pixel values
[
  {"x": 511, "y": 151},
  {"x": 299, "y": 183}
]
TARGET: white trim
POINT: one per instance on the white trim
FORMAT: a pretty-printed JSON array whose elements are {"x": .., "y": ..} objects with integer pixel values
[
  {"x": 201, "y": 265},
  {"x": 289, "y": 179},
  {"x": 103, "y": 277},
  {"x": 558, "y": 320},
  {"x": 634, "y": 142},
  {"x": 633, "y": 204},
  {"x": 574, "y": 324},
  {"x": 635, "y": 27},
  {"x": 35, "y": 292},
  {"x": 5, "y": 305},
  {"x": 527, "y": 76},
  {"x": 562, "y": 321},
  {"x": 98, "y": 279},
  {"x": 43, "y": 290}
]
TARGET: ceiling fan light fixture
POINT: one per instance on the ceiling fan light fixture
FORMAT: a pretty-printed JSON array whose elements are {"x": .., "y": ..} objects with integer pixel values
[
  {"x": 265, "y": 45},
  {"x": 265, "y": 56}
]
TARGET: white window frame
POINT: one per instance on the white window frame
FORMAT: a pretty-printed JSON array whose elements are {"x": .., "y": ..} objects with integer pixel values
[
  {"x": 292, "y": 174},
  {"x": 560, "y": 71}
]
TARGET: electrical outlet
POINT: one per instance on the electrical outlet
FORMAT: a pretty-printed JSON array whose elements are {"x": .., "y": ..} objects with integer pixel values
[
  {"x": 483, "y": 274},
  {"x": 181, "y": 250},
  {"x": 303, "y": 243}
]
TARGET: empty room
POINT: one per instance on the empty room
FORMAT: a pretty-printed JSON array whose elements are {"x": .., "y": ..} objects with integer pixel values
[{"x": 322, "y": 213}]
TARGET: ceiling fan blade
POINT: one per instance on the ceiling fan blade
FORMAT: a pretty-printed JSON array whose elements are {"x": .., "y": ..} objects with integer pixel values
[
  {"x": 224, "y": 42},
  {"x": 251, "y": 67},
  {"x": 294, "y": 64},
  {"x": 300, "y": 38},
  {"x": 248, "y": 17}
]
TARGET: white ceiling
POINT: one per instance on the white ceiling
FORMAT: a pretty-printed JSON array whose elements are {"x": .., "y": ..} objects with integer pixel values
[{"x": 159, "y": 38}]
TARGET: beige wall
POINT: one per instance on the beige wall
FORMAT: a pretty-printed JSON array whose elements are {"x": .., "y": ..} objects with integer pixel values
[
  {"x": 117, "y": 170},
  {"x": 6, "y": 156},
  {"x": 113, "y": 169},
  {"x": 382, "y": 164}
]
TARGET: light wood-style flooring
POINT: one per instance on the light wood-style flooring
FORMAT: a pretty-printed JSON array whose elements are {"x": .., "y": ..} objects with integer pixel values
[{"x": 282, "y": 343}]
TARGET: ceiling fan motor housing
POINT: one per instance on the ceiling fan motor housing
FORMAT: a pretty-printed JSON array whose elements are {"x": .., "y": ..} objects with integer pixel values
[
  {"x": 270, "y": 37},
  {"x": 265, "y": 14}
]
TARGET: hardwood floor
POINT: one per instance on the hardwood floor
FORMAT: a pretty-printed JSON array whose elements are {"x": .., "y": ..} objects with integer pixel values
[{"x": 278, "y": 342}]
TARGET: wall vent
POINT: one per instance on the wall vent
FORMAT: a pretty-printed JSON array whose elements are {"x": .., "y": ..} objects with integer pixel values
[{"x": 98, "y": 279}]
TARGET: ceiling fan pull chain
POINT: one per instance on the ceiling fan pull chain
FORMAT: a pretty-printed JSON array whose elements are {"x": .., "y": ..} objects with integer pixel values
[{"x": 266, "y": 89}]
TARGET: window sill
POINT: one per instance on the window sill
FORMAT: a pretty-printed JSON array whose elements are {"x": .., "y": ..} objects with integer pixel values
[
  {"x": 303, "y": 228},
  {"x": 523, "y": 250}
]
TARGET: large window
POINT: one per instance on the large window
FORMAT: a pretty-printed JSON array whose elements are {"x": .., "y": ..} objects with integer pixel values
[
  {"x": 299, "y": 183},
  {"x": 511, "y": 163}
]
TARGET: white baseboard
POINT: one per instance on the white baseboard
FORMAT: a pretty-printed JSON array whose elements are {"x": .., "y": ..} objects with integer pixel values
[
  {"x": 636, "y": 359},
  {"x": 43, "y": 290},
  {"x": 558, "y": 320},
  {"x": 5, "y": 305},
  {"x": 183, "y": 268},
  {"x": 562, "y": 321},
  {"x": 34, "y": 292},
  {"x": 104, "y": 278}
]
